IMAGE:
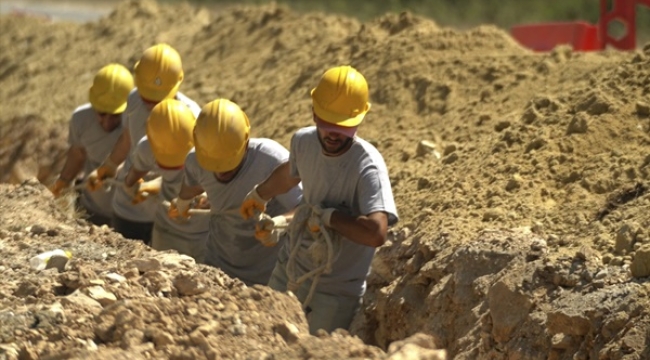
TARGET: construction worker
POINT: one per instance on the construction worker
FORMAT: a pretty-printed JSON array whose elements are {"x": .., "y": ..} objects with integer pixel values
[
  {"x": 347, "y": 197},
  {"x": 157, "y": 75},
  {"x": 163, "y": 150},
  {"x": 226, "y": 164},
  {"x": 94, "y": 129}
]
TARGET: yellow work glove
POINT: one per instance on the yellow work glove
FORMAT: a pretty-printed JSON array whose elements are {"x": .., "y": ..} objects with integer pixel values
[
  {"x": 59, "y": 187},
  {"x": 132, "y": 190},
  {"x": 320, "y": 216},
  {"x": 147, "y": 189},
  {"x": 106, "y": 170},
  {"x": 179, "y": 209},
  {"x": 252, "y": 204},
  {"x": 268, "y": 230}
]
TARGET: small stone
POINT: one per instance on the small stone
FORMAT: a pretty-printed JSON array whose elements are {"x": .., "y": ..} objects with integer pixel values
[
  {"x": 493, "y": 214},
  {"x": 602, "y": 274},
  {"x": 425, "y": 147},
  {"x": 642, "y": 108},
  {"x": 81, "y": 300},
  {"x": 578, "y": 125},
  {"x": 116, "y": 278},
  {"x": 289, "y": 332},
  {"x": 189, "y": 284},
  {"x": 450, "y": 159},
  {"x": 36, "y": 229},
  {"x": 238, "y": 329},
  {"x": 514, "y": 183},
  {"x": 144, "y": 265},
  {"x": 102, "y": 296}
]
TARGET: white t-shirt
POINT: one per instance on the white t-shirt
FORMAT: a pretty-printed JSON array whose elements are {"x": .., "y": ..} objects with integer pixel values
[
  {"x": 196, "y": 228},
  {"x": 355, "y": 183},
  {"x": 86, "y": 132},
  {"x": 136, "y": 121},
  {"x": 232, "y": 245}
]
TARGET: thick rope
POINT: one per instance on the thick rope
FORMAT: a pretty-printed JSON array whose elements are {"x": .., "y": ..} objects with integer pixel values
[{"x": 321, "y": 251}]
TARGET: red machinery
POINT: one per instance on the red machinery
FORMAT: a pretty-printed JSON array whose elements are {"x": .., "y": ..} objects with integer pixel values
[{"x": 581, "y": 35}]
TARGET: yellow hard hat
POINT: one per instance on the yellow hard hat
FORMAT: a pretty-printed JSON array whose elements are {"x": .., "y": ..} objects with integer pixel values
[
  {"x": 159, "y": 73},
  {"x": 169, "y": 130},
  {"x": 221, "y": 136},
  {"x": 110, "y": 89},
  {"x": 341, "y": 97}
]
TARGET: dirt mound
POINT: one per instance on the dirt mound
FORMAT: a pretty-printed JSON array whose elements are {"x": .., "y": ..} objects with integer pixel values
[{"x": 480, "y": 136}]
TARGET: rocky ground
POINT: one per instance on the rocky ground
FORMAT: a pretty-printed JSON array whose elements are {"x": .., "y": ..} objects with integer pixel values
[{"x": 521, "y": 180}]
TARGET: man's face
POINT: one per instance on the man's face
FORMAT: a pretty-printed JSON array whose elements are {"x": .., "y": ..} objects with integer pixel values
[
  {"x": 333, "y": 143},
  {"x": 226, "y": 177},
  {"x": 109, "y": 122}
]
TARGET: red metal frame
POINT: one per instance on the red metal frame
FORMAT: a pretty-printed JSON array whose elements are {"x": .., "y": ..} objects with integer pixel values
[{"x": 581, "y": 35}]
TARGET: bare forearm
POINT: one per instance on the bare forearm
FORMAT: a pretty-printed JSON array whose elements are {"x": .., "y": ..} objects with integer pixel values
[
  {"x": 279, "y": 182},
  {"x": 73, "y": 164},
  {"x": 189, "y": 192},
  {"x": 365, "y": 230},
  {"x": 133, "y": 176},
  {"x": 121, "y": 148}
]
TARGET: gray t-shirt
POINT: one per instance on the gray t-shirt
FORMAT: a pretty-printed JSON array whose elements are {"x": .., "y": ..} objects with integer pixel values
[
  {"x": 136, "y": 121},
  {"x": 231, "y": 244},
  {"x": 86, "y": 132},
  {"x": 355, "y": 183},
  {"x": 196, "y": 228},
  {"x": 137, "y": 115}
]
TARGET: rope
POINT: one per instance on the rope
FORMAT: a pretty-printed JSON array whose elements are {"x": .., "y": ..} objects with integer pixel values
[{"x": 321, "y": 251}]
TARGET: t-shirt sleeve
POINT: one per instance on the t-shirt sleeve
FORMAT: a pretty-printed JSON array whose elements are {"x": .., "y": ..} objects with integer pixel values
[
  {"x": 192, "y": 171},
  {"x": 375, "y": 193},
  {"x": 293, "y": 162},
  {"x": 143, "y": 158},
  {"x": 74, "y": 132}
]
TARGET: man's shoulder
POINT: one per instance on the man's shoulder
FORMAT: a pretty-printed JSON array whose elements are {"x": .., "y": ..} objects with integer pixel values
[
  {"x": 193, "y": 105},
  {"x": 81, "y": 114},
  {"x": 268, "y": 147},
  {"x": 365, "y": 149}
]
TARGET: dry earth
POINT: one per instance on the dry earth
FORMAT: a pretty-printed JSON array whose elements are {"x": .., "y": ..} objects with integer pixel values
[{"x": 521, "y": 181}]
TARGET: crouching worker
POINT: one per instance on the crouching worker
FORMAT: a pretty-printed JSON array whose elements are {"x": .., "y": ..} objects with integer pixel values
[
  {"x": 348, "y": 204},
  {"x": 163, "y": 151},
  {"x": 226, "y": 164},
  {"x": 94, "y": 130}
]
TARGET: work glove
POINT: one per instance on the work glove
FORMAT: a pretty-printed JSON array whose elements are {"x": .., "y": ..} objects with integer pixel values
[
  {"x": 132, "y": 190},
  {"x": 146, "y": 189},
  {"x": 268, "y": 230},
  {"x": 179, "y": 209},
  {"x": 106, "y": 170},
  {"x": 202, "y": 202},
  {"x": 59, "y": 187},
  {"x": 252, "y": 204},
  {"x": 319, "y": 216}
]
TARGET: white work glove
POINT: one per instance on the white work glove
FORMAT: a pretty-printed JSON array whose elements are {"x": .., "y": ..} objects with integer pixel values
[
  {"x": 179, "y": 209},
  {"x": 320, "y": 216},
  {"x": 268, "y": 230},
  {"x": 147, "y": 189},
  {"x": 252, "y": 204}
]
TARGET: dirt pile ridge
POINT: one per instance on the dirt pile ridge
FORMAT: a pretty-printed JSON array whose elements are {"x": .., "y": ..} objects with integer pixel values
[{"x": 521, "y": 178}]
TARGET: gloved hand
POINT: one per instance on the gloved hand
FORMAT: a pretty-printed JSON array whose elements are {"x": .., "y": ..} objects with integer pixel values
[
  {"x": 268, "y": 230},
  {"x": 147, "y": 189},
  {"x": 319, "y": 216},
  {"x": 179, "y": 209},
  {"x": 252, "y": 203},
  {"x": 106, "y": 170},
  {"x": 59, "y": 187},
  {"x": 202, "y": 202},
  {"x": 132, "y": 191}
]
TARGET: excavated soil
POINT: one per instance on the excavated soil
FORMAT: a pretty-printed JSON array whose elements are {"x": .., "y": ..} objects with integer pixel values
[{"x": 521, "y": 180}]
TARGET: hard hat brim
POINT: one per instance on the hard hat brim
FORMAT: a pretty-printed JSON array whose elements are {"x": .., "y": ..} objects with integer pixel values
[
  {"x": 101, "y": 106},
  {"x": 158, "y": 95},
  {"x": 338, "y": 119},
  {"x": 220, "y": 165}
]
